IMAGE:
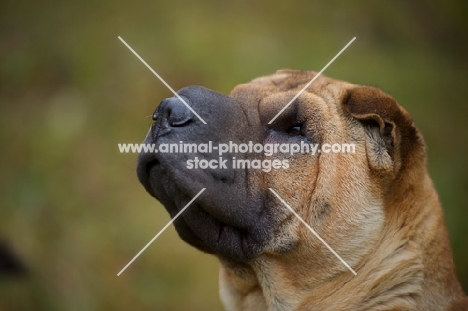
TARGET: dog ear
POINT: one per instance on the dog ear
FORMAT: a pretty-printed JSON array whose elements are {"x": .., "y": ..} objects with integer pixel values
[{"x": 390, "y": 132}]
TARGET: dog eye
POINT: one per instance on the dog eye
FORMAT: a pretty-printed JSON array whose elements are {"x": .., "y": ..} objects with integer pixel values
[{"x": 295, "y": 130}]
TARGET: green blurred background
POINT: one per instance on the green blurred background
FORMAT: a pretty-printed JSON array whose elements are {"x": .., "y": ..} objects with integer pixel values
[{"x": 71, "y": 206}]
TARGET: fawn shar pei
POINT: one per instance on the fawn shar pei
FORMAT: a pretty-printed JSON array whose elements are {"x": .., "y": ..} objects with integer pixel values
[{"x": 374, "y": 205}]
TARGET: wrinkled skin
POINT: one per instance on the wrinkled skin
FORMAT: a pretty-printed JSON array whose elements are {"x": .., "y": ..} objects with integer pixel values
[{"x": 375, "y": 207}]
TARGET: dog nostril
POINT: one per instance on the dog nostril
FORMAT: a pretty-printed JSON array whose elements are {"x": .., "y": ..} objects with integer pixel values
[
  {"x": 179, "y": 115},
  {"x": 175, "y": 111}
]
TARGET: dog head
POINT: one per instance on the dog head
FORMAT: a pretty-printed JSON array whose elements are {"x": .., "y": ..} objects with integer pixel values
[{"x": 341, "y": 194}]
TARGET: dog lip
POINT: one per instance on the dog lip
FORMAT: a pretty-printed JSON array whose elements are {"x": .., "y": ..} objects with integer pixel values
[
  {"x": 146, "y": 163},
  {"x": 150, "y": 164}
]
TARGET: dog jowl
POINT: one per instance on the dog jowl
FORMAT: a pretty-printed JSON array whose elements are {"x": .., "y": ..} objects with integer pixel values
[{"x": 376, "y": 206}]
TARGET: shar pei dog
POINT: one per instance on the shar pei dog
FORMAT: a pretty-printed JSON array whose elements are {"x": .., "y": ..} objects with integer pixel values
[{"x": 280, "y": 218}]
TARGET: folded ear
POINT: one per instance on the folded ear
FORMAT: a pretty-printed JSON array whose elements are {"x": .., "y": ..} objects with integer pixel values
[{"x": 391, "y": 135}]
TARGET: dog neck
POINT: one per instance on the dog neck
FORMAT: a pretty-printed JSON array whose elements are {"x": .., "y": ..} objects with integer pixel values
[{"x": 393, "y": 275}]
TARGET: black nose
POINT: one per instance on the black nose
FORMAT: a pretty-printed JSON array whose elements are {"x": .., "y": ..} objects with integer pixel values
[{"x": 174, "y": 111}]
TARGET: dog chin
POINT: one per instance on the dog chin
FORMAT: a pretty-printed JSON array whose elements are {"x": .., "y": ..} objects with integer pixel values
[{"x": 210, "y": 235}]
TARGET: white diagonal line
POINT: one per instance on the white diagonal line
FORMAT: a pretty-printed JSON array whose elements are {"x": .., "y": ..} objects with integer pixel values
[
  {"x": 162, "y": 230},
  {"x": 313, "y": 231},
  {"x": 313, "y": 79},
  {"x": 162, "y": 80}
]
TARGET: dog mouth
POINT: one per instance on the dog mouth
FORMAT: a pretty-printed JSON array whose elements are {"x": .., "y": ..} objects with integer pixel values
[
  {"x": 200, "y": 224},
  {"x": 147, "y": 163},
  {"x": 150, "y": 165},
  {"x": 207, "y": 233}
]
